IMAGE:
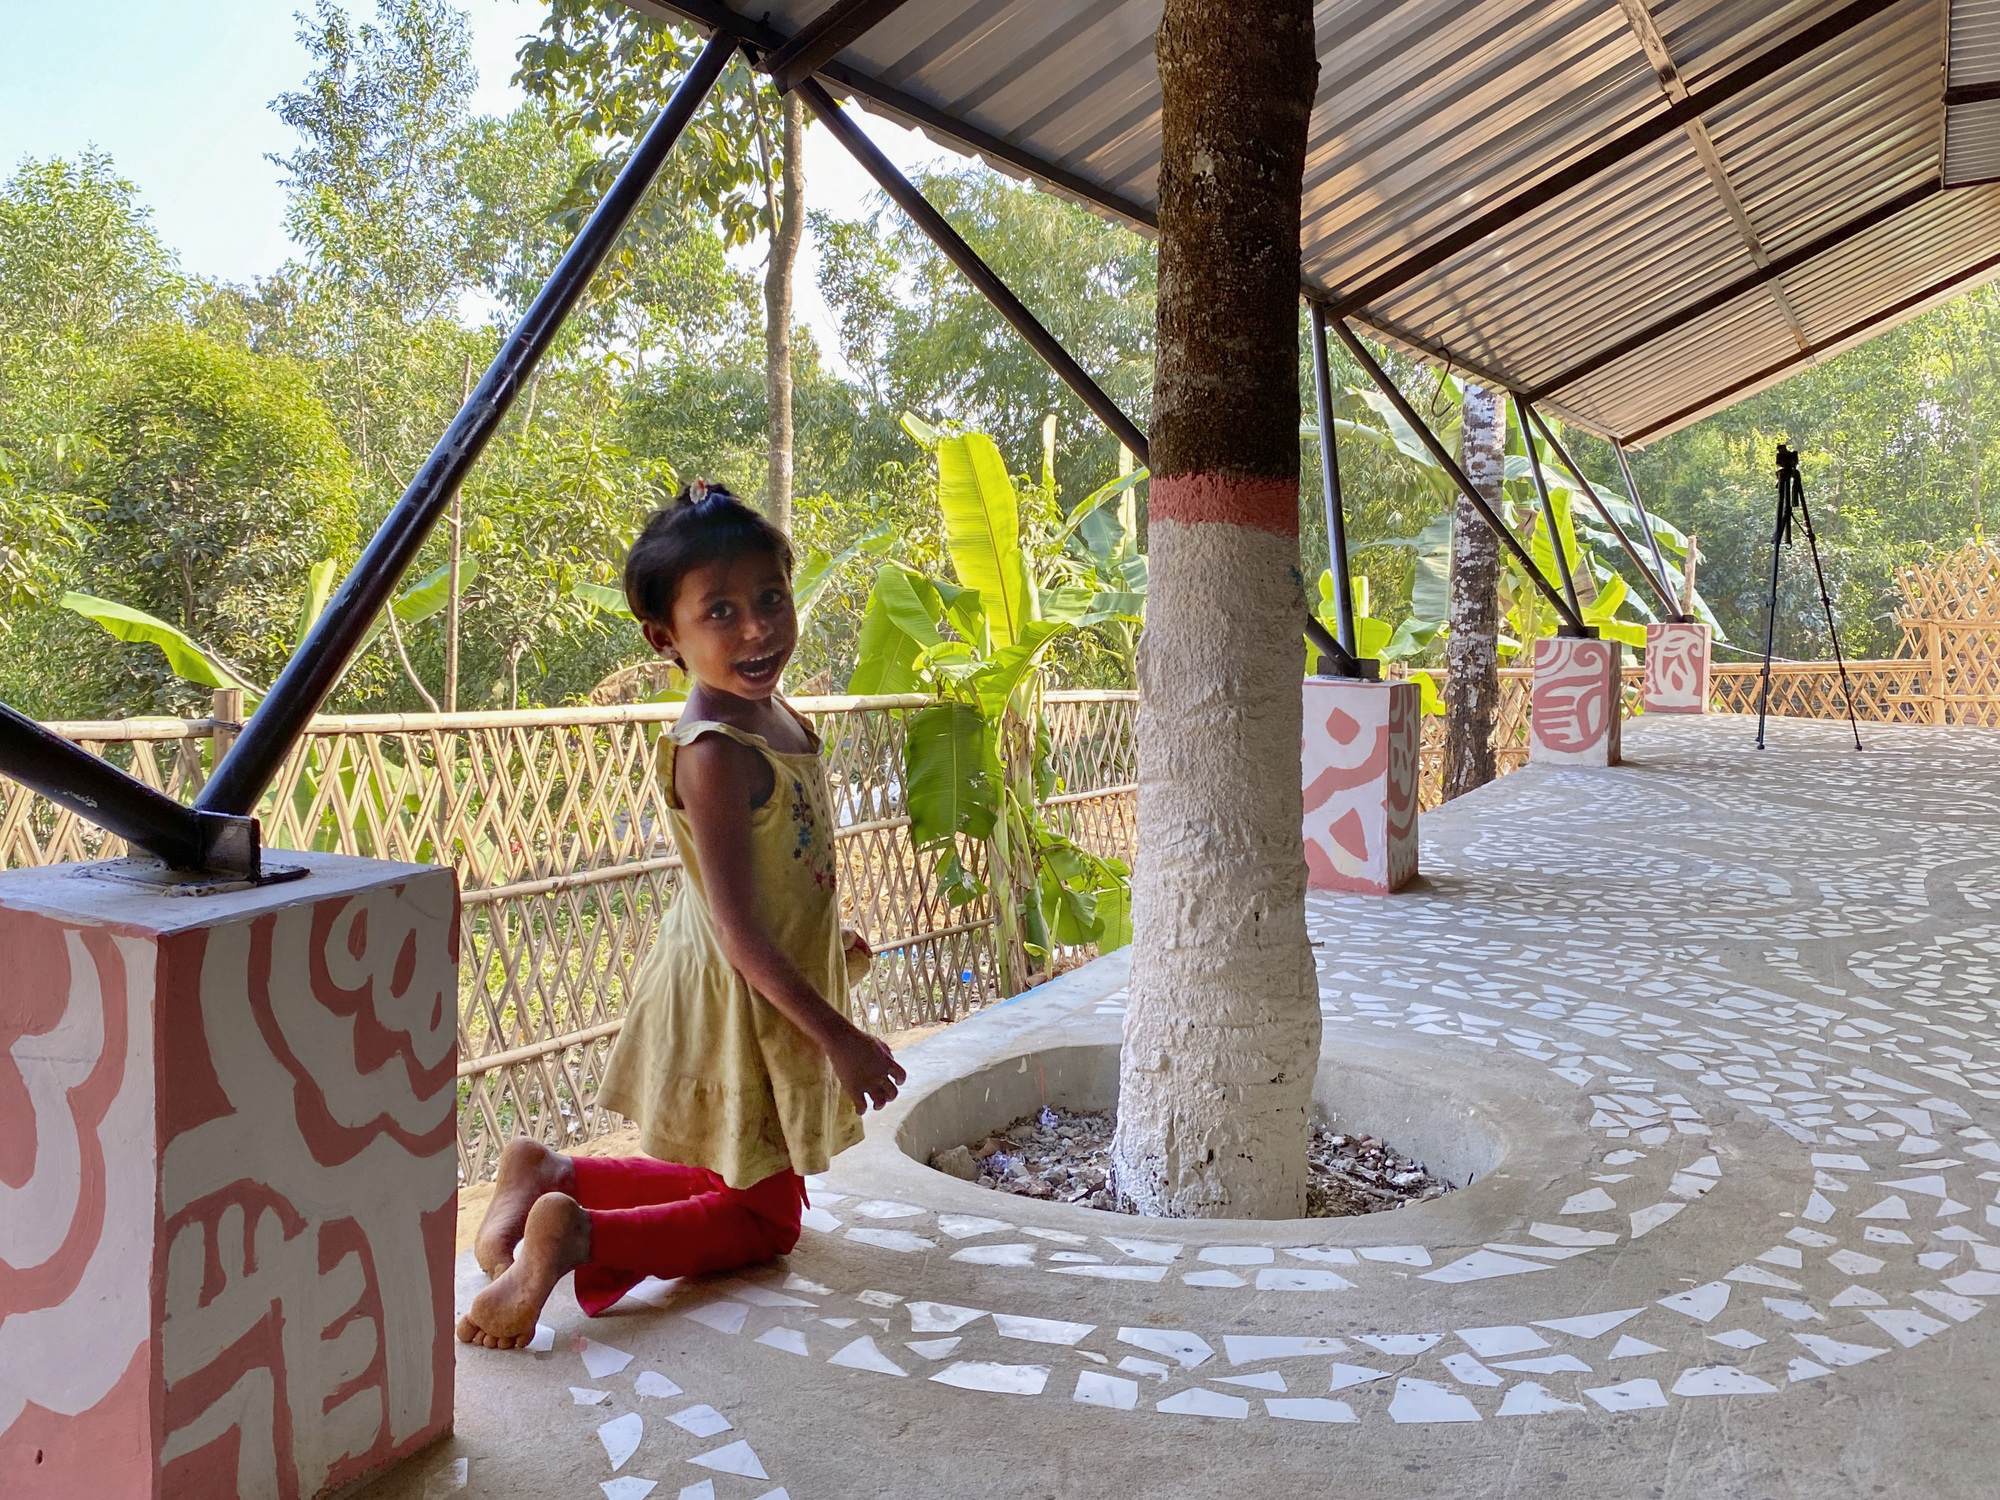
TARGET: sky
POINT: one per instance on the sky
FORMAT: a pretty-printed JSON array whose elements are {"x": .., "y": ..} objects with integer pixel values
[{"x": 179, "y": 91}]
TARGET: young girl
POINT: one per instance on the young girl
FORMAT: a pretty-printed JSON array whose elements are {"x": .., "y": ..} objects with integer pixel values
[{"x": 738, "y": 1058}]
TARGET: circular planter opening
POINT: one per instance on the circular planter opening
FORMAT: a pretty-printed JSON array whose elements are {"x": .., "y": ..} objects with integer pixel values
[{"x": 1447, "y": 1134}]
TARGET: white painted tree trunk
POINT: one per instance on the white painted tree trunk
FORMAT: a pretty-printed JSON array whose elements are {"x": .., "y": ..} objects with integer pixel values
[{"x": 1222, "y": 1030}]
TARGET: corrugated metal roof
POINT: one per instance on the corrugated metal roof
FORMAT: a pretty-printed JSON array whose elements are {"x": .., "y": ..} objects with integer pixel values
[{"x": 1791, "y": 209}]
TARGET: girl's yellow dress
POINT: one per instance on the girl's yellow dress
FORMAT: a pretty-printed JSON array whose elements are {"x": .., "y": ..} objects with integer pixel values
[{"x": 712, "y": 1073}]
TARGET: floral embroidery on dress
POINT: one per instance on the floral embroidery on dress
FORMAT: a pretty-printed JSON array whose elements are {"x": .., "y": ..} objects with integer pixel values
[{"x": 815, "y": 850}]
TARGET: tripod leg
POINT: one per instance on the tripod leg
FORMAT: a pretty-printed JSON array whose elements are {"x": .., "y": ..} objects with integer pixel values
[
  {"x": 1771, "y": 614},
  {"x": 1826, "y": 602}
]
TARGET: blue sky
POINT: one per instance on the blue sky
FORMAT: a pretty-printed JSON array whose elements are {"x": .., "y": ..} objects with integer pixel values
[{"x": 179, "y": 91}]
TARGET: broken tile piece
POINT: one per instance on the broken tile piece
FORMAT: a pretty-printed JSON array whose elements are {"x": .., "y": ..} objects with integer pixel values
[
  {"x": 1566, "y": 1234},
  {"x": 1401, "y": 1343},
  {"x": 863, "y": 1355},
  {"x": 1263, "y": 1380},
  {"x": 1546, "y": 1364},
  {"x": 1347, "y": 1375},
  {"x": 1002, "y": 1380},
  {"x": 1736, "y": 1338},
  {"x": 1295, "y": 1279},
  {"x": 1628, "y": 1347},
  {"x": 1854, "y": 1263},
  {"x": 788, "y": 1339},
  {"x": 1148, "y": 1250},
  {"x": 1646, "y": 1220},
  {"x": 1427, "y": 1401},
  {"x": 933, "y": 1348},
  {"x": 579, "y": 1396},
  {"x": 1236, "y": 1255},
  {"x": 702, "y": 1421},
  {"x": 1467, "y": 1369},
  {"x": 1095, "y": 1388},
  {"x": 601, "y": 1360},
  {"x": 1527, "y": 1399},
  {"x": 1633, "y": 1395},
  {"x": 1496, "y": 1342},
  {"x": 1590, "y": 1325},
  {"x": 632, "y": 1487},
  {"x": 1906, "y": 1326},
  {"x": 1186, "y": 1349},
  {"x": 1199, "y": 1401},
  {"x": 1213, "y": 1278},
  {"x": 621, "y": 1437},
  {"x": 723, "y": 1317},
  {"x": 1482, "y": 1265},
  {"x": 970, "y": 1226},
  {"x": 940, "y": 1317},
  {"x": 1721, "y": 1380},
  {"x": 1395, "y": 1255},
  {"x": 653, "y": 1383},
  {"x": 900, "y": 1240},
  {"x": 1040, "y": 1330},
  {"x": 1702, "y": 1304},
  {"x": 1244, "y": 1349},
  {"x": 1309, "y": 1409},
  {"x": 996, "y": 1255},
  {"x": 1835, "y": 1353},
  {"x": 736, "y": 1458},
  {"x": 1596, "y": 1201}
]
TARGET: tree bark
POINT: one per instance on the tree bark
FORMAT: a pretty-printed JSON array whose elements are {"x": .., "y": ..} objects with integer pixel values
[
  {"x": 1472, "y": 651},
  {"x": 787, "y": 230},
  {"x": 1222, "y": 1033}
]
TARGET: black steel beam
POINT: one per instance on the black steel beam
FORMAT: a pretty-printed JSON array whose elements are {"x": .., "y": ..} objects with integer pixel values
[
  {"x": 1795, "y": 48},
  {"x": 824, "y": 37},
  {"x": 1336, "y": 510},
  {"x": 1971, "y": 93},
  {"x": 143, "y": 816},
  {"x": 1603, "y": 510},
  {"x": 904, "y": 194},
  {"x": 1449, "y": 464},
  {"x": 1549, "y": 519},
  {"x": 1723, "y": 296},
  {"x": 1853, "y": 330},
  {"x": 324, "y": 654},
  {"x": 720, "y": 18},
  {"x": 1681, "y": 615}
]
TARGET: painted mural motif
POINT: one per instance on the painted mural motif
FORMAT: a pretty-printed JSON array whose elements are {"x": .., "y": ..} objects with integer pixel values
[
  {"x": 1676, "y": 668},
  {"x": 1359, "y": 764},
  {"x": 1573, "y": 709},
  {"x": 300, "y": 1164}
]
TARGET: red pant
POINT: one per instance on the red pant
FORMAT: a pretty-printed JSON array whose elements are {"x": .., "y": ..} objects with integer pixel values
[{"x": 656, "y": 1218}]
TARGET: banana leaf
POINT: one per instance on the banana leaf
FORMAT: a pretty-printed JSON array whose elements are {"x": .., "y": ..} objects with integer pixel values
[
  {"x": 949, "y": 789},
  {"x": 189, "y": 660},
  {"x": 982, "y": 526}
]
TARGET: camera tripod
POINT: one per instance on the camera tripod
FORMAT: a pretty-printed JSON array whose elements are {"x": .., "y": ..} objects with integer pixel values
[{"x": 1792, "y": 498}]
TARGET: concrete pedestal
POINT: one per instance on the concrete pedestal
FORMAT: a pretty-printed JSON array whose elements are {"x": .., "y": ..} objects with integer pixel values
[
  {"x": 1573, "y": 709},
  {"x": 1359, "y": 762},
  {"x": 228, "y": 1181},
  {"x": 1676, "y": 669}
]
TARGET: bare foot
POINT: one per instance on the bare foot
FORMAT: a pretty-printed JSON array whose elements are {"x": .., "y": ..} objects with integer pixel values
[
  {"x": 555, "y": 1242},
  {"x": 528, "y": 1169}
]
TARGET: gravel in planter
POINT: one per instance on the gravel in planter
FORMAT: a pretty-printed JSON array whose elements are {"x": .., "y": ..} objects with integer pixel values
[{"x": 1064, "y": 1156}]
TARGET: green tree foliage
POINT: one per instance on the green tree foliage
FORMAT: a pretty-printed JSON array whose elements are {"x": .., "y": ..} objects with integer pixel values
[{"x": 223, "y": 482}]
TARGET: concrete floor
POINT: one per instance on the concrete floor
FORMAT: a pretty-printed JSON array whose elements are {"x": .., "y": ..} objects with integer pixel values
[{"x": 1714, "y": 1031}]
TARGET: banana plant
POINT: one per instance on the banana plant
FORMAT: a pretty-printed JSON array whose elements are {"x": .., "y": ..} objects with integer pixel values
[{"x": 976, "y": 762}]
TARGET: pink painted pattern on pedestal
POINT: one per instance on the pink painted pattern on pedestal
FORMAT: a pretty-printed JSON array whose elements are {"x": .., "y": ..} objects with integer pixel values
[
  {"x": 247, "y": 1127},
  {"x": 1359, "y": 770},
  {"x": 1573, "y": 708},
  {"x": 1676, "y": 669}
]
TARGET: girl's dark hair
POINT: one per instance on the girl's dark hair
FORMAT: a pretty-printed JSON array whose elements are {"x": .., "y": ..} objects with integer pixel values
[{"x": 704, "y": 523}]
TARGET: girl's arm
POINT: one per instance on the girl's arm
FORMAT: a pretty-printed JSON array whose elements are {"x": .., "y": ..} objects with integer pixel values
[{"x": 716, "y": 781}]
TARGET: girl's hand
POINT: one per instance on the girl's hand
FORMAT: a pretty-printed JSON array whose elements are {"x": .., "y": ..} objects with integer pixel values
[
  {"x": 851, "y": 941},
  {"x": 866, "y": 1068}
]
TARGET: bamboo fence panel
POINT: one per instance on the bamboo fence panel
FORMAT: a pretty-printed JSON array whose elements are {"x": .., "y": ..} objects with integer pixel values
[{"x": 555, "y": 825}]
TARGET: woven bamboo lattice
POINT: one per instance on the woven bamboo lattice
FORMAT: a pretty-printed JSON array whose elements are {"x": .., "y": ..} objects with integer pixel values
[
  {"x": 553, "y": 822},
  {"x": 1951, "y": 624}
]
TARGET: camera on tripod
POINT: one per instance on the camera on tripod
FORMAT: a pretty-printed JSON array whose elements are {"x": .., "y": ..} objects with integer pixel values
[{"x": 1792, "y": 501}]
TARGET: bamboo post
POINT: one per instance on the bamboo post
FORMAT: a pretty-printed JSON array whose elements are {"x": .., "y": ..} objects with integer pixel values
[{"x": 226, "y": 709}]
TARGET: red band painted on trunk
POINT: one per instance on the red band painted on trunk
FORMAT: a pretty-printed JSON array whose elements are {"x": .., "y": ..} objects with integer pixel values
[{"x": 1192, "y": 499}]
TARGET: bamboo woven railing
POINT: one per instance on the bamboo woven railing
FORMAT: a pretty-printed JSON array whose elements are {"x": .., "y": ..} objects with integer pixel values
[{"x": 553, "y": 821}]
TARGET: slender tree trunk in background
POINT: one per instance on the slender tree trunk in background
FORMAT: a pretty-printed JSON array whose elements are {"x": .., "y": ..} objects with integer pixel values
[
  {"x": 1223, "y": 1029},
  {"x": 788, "y": 230},
  {"x": 1472, "y": 652}
]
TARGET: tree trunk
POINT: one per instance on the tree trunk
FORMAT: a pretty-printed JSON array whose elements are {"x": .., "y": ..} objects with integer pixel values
[
  {"x": 1472, "y": 652},
  {"x": 785, "y": 236},
  {"x": 1223, "y": 1030}
]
